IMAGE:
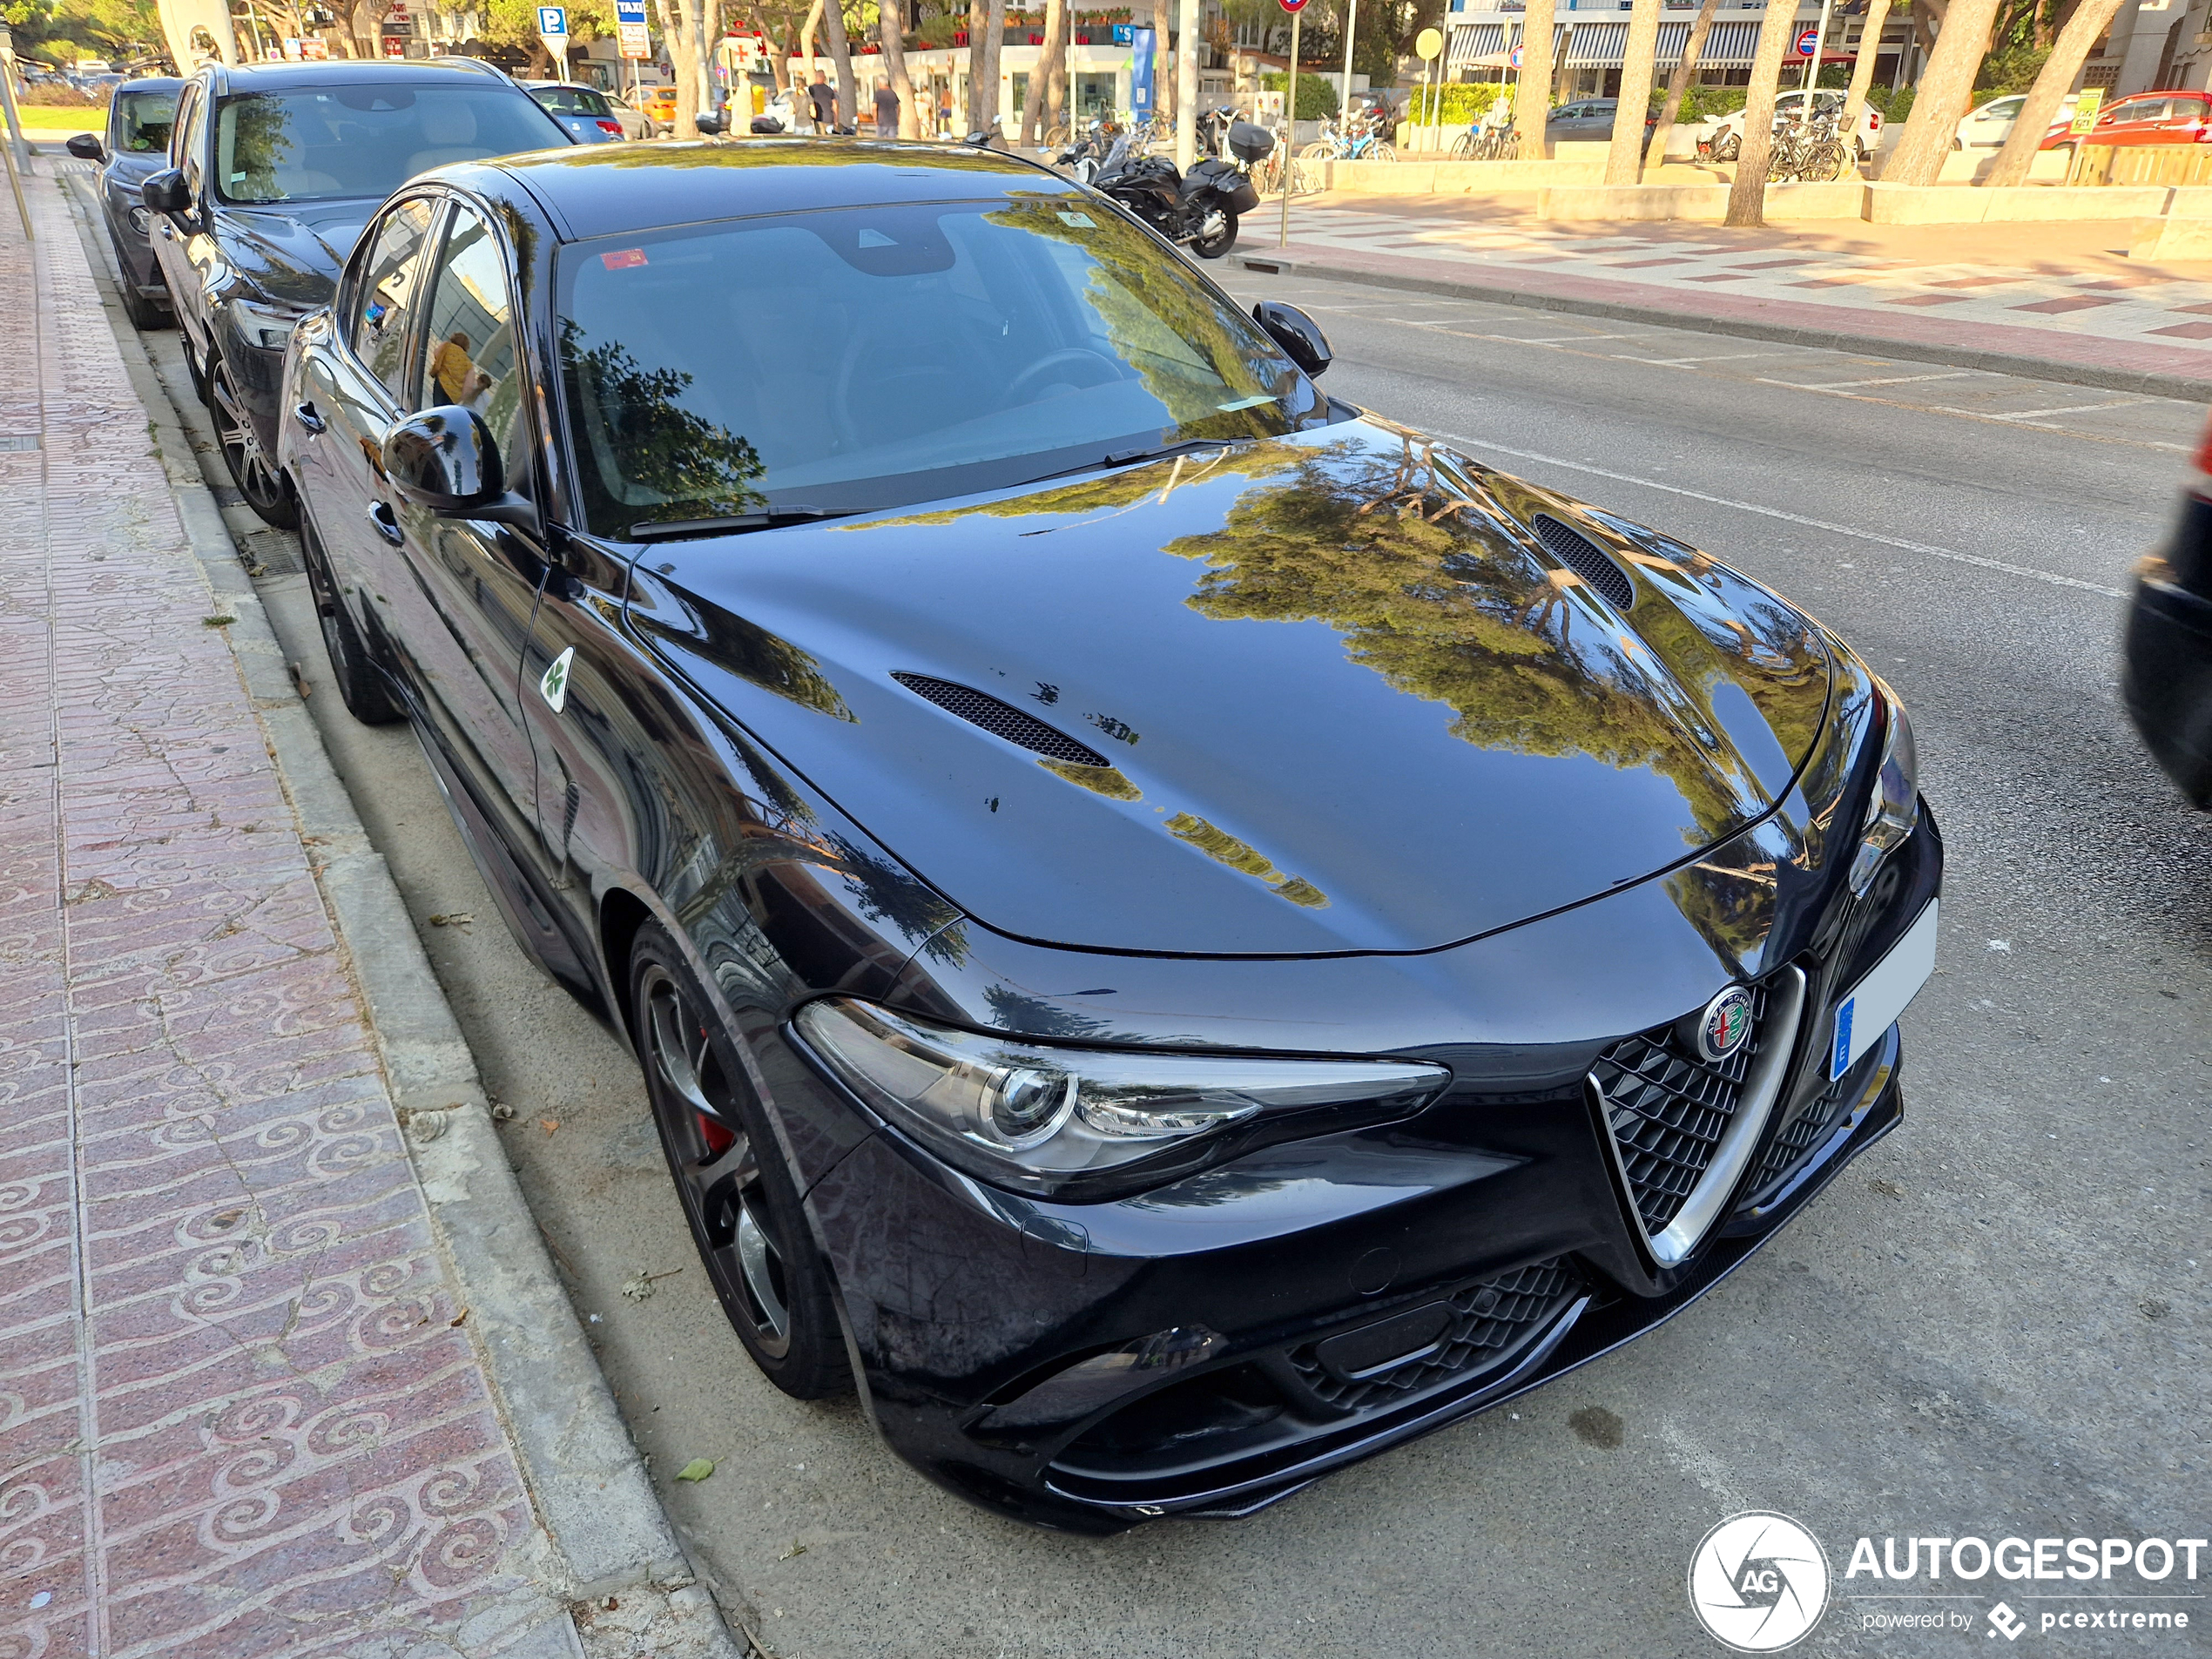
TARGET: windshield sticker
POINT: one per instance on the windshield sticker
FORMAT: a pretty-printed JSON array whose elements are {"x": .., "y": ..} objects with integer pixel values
[
  {"x": 875, "y": 239},
  {"x": 1245, "y": 403},
  {"x": 623, "y": 258},
  {"x": 1081, "y": 221}
]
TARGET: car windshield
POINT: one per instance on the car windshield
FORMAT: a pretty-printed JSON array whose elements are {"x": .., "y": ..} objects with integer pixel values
[
  {"x": 364, "y": 140},
  {"x": 570, "y": 100},
  {"x": 142, "y": 120},
  {"x": 845, "y": 360}
]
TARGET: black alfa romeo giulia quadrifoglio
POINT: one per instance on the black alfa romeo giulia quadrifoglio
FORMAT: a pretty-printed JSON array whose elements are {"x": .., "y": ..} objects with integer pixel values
[{"x": 1181, "y": 934}]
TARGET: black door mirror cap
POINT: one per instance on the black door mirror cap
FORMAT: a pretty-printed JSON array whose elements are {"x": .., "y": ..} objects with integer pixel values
[
  {"x": 85, "y": 147},
  {"x": 444, "y": 459},
  {"x": 1299, "y": 336},
  {"x": 166, "y": 192}
]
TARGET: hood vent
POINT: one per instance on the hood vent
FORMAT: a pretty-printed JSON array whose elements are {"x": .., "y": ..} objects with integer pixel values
[
  {"x": 1002, "y": 719},
  {"x": 1588, "y": 560}
]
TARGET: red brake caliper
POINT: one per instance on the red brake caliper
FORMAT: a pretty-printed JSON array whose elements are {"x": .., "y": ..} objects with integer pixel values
[{"x": 720, "y": 1138}]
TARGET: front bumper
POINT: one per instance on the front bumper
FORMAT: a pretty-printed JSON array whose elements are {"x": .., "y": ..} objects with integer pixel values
[{"x": 1210, "y": 1347}]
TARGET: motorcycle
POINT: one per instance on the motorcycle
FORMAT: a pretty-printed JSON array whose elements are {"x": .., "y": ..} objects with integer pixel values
[{"x": 1198, "y": 210}]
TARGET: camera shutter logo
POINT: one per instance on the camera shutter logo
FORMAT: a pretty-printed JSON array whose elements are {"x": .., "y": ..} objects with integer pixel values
[{"x": 1758, "y": 1583}]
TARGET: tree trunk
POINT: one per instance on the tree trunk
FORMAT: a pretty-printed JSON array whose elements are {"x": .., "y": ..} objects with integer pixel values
[
  {"x": 1052, "y": 69},
  {"x": 1532, "y": 107},
  {"x": 680, "y": 27},
  {"x": 801, "y": 108},
  {"x": 1678, "y": 84},
  {"x": 986, "y": 25},
  {"x": 1624, "y": 156},
  {"x": 841, "y": 58},
  {"x": 888, "y": 24},
  {"x": 1862, "y": 66},
  {"x": 1163, "y": 62},
  {"x": 1747, "y": 195},
  {"x": 2053, "y": 83},
  {"x": 1947, "y": 90}
]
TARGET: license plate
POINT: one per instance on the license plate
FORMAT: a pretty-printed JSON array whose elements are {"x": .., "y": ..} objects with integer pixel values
[{"x": 1877, "y": 1000}]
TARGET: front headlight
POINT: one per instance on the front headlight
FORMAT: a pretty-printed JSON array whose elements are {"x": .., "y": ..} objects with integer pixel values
[
  {"x": 1039, "y": 1119},
  {"x": 264, "y": 325},
  {"x": 1894, "y": 808}
]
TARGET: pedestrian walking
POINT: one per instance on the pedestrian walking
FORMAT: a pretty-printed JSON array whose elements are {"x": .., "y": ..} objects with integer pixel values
[
  {"x": 825, "y": 103},
  {"x": 887, "y": 111}
]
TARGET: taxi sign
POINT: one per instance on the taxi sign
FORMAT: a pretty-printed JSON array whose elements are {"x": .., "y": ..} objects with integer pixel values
[{"x": 2085, "y": 111}]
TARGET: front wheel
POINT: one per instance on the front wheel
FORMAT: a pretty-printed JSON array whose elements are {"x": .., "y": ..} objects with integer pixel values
[
  {"x": 251, "y": 467},
  {"x": 1382, "y": 152},
  {"x": 738, "y": 1196},
  {"x": 361, "y": 688},
  {"x": 1730, "y": 148},
  {"x": 1217, "y": 235},
  {"x": 1317, "y": 152}
]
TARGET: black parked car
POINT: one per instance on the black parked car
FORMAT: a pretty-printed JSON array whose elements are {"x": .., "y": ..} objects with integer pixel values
[
  {"x": 2166, "y": 668},
  {"x": 1179, "y": 932},
  {"x": 134, "y": 147},
  {"x": 273, "y": 169}
]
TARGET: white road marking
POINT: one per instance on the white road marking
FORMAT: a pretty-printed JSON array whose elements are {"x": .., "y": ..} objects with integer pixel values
[
  {"x": 1887, "y": 380},
  {"x": 2070, "y": 408},
  {"x": 1950, "y": 553},
  {"x": 1718, "y": 357}
]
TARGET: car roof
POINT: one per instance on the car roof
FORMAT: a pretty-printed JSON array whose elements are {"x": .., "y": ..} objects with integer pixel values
[
  {"x": 150, "y": 84},
  {"x": 290, "y": 78},
  {"x": 596, "y": 190}
]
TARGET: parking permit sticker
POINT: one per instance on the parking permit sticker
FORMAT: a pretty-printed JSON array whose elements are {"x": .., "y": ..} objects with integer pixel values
[
  {"x": 623, "y": 258},
  {"x": 1081, "y": 221}
]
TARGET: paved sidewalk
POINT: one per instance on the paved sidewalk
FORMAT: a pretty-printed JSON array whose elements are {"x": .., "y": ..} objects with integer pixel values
[
  {"x": 2064, "y": 296},
  {"x": 242, "y": 1411}
]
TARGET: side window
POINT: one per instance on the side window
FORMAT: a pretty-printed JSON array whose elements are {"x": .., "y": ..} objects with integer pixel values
[
  {"x": 385, "y": 300},
  {"x": 187, "y": 153},
  {"x": 468, "y": 340}
]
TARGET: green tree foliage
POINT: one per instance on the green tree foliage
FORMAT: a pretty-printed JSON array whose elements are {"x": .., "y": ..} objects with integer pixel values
[
  {"x": 2012, "y": 68},
  {"x": 1316, "y": 98},
  {"x": 61, "y": 31}
]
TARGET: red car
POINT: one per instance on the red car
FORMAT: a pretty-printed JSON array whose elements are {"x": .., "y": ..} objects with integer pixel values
[{"x": 2145, "y": 117}]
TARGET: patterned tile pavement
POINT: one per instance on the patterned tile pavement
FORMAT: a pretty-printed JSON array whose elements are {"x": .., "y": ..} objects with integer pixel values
[
  {"x": 2066, "y": 308},
  {"x": 240, "y": 1412}
]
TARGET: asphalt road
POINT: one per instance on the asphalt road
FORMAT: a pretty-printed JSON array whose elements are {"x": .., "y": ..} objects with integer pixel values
[{"x": 1994, "y": 1326}]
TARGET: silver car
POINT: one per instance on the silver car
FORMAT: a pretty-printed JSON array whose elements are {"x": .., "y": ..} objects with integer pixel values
[{"x": 588, "y": 115}]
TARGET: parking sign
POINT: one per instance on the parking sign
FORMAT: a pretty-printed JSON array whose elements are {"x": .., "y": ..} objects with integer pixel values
[{"x": 553, "y": 22}]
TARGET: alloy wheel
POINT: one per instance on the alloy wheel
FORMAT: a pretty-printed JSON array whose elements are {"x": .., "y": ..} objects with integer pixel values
[
  {"x": 718, "y": 1169},
  {"x": 255, "y": 474}
]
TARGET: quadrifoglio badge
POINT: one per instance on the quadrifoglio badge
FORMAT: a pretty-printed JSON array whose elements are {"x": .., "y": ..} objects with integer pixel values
[{"x": 1760, "y": 1583}]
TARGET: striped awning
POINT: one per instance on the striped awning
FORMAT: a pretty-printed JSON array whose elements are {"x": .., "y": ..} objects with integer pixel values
[
  {"x": 1597, "y": 45},
  {"x": 1729, "y": 44},
  {"x": 1484, "y": 45},
  {"x": 1602, "y": 45}
]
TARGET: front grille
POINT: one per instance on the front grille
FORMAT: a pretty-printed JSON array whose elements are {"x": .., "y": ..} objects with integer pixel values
[
  {"x": 1491, "y": 1320},
  {"x": 1000, "y": 719},
  {"x": 1801, "y": 1134},
  {"x": 1669, "y": 1107},
  {"x": 1586, "y": 559}
]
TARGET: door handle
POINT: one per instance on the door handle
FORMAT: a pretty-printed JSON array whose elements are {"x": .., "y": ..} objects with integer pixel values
[
  {"x": 168, "y": 231},
  {"x": 379, "y": 515},
  {"x": 308, "y": 418}
]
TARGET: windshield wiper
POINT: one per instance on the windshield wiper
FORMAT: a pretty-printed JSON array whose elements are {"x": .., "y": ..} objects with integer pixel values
[
  {"x": 1132, "y": 457},
  {"x": 669, "y": 530}
]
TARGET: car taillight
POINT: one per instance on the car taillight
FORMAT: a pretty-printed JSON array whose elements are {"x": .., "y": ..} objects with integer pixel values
[
  {"x": 611, "y": 127},
  {"x": 1874, "y": 120}
]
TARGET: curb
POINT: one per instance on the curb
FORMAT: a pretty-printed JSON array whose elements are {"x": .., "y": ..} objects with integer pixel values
[
  {"x": 2188, "y": 387},
  {"x": 586, "y": 1477}
]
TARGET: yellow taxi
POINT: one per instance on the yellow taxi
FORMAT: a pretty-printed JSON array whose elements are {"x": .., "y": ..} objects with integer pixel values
[{"x": 659, "y": 106}]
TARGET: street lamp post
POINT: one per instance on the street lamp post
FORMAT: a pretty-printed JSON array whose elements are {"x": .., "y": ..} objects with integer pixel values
[{"x": 1296, "y": 8}]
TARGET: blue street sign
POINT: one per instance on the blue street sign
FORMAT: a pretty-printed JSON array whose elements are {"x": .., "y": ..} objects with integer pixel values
[
  {"x": 630, "y": 12},
  {"x": 553, "y": 22},
  {"x": 1122, "y": 31},
  {"x": 1809, "y": 41},
  {"x": 1140, "y": 73}
]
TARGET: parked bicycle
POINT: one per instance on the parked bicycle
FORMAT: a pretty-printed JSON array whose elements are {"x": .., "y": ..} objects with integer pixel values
[
  {"x": 1484, "y": 142},
  {"x": 1807, "y": 152},
  {"x": 1356, "y": 141}
]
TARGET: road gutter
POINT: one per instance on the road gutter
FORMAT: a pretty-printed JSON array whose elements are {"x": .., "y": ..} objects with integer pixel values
[{"x": 586, "y": 1477}]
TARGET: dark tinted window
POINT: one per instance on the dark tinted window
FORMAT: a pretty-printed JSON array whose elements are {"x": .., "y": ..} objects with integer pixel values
[
  {"x": 341, "y": 141},
  {"x": 142, "y": 122},
  {"x": 872, "y": 357},
  {"x": 570, "y": 100},
  {"x": 390, "y": 285},
  {"x": 469, "y": 336}
]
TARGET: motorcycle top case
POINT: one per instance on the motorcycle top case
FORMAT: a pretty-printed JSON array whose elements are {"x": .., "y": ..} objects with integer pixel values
[{"x": 1248, "y": 142}]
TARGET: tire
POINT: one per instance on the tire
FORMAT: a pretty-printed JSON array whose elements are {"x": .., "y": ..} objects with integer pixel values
[
  {"x": 1212, "y": 247},
  {"x": 364, "y": 691},
  {"x": 147, "y": 315},
  {"x": 1382, "y": 152},
  {"x": 739, "y": 1200},
  {"x": 252, "y": 467},
  {"x": 1729, "y": 149},
  {"x": 1317, "y": 152},
  {"x": 1463, "y": 147}
]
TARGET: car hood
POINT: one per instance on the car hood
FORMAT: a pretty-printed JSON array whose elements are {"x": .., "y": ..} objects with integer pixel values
[
  {"x": 1349, "y": 701},
  {"x": 295, "y": 256}
]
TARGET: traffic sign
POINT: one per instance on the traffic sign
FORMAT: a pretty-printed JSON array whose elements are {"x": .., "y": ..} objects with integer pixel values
[
  {"x": 1515, "y": 59},
  {"x": 553, "y": 22},
  {"x": 1291, "y": 5},
  {"x": 1427, "y": 45},
  {"x": 1808, "y": 42},
  {"x": 2085, "y": 109}
]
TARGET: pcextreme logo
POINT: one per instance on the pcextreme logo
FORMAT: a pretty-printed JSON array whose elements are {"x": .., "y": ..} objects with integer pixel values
[{"x": 1758, "y": 1583}]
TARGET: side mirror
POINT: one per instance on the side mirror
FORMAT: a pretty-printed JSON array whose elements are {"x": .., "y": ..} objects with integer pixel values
[
  {"x": 166, "y": 192},
  {"x": 85, "y": 147},
  {"x": 1299, "y": 336},
  {"x": 444, "y": 459}
]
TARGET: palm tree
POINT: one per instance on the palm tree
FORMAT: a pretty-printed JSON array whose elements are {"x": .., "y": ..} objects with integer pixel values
[
  {"x": 2089, "y": 20},
  {"x": 841, "y": 56},
  {"x": 1678, "y": 83},
  {"x": 1532, "y": 107},
  {"x": 1862, "y": 66},
  {"x": 986, "y": 26},
  {"x": 1623, "y": 161},
  {"x": 683, "y": 27},
  {"x": 889, "y": 26},
  {"x": 1946, "y": 89},
  {"x": 1052, "y": 67},
  {"x": 1747, "y": 193}
]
